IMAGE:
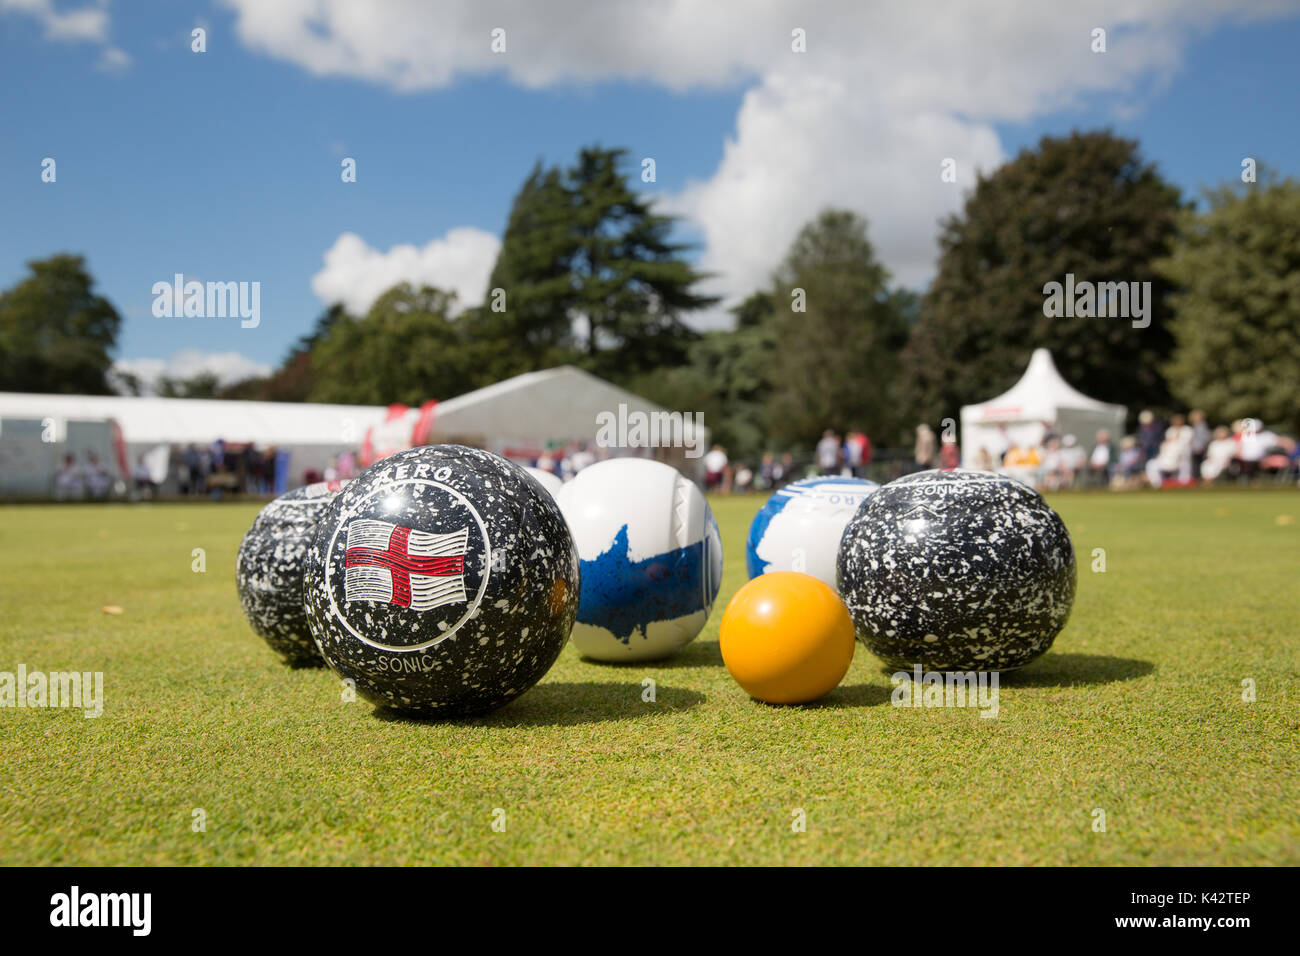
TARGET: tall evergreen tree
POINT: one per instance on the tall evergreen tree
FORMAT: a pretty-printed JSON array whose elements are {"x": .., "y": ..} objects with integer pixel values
[
  {"x": 533, "y": 330},
  {"x": 838, "y": 330},
  {"x": 589, "y": 274},
  {"x": 1086, "y": 204}
]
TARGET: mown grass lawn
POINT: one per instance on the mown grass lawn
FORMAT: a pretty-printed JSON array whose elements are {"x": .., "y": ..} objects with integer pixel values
[{"x": 1137, "y": 712}]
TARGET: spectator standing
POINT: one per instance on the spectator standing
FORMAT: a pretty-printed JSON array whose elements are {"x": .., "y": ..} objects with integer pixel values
[
  {"x": 189, "y": 473},
  {"x": 949, "y": 454},
  {"x": 715, "y": 468},
  {"x": 828, "y": 453},
  {"x": 1150, "y": 434},
  {"x": 204, "y": 470},
  {"x": 925, "y": 448},
  {"x": 857, "y": 451},
  {"x": 1201, "y": 437},
  {"x": 144, "y": 485},
  {"x": 1100, "y": 459}
]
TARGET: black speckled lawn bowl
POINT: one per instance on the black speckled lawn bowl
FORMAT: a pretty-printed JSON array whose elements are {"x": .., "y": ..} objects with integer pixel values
[
  {"x": 268, "y": 570},
  {"x": 443, "y": 581},
  {"x": 957, "y": 571}
]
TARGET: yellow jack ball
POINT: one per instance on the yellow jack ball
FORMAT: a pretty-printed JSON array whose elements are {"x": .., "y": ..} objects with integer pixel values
[{"x": 787, "y": 638}]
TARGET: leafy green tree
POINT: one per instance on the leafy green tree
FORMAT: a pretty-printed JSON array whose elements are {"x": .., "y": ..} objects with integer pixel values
[
  {"x": 406, "y": 349},
  {"x": 589, "y": 275},
  {"x": 1087, "y": 204},
  {"x": 1236, "y": 323},
  {"x": 727, "y": 379},
  {"x": 838, "y": 329},
  {"x": 56, "y": 334}
]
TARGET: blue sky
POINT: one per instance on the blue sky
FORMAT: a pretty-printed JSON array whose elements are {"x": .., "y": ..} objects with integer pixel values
[{"x": 225, "y": 165}]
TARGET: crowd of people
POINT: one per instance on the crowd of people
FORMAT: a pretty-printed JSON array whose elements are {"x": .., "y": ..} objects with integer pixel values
[
  {"x": 1184, "y": 451},
  {"x": 81, "y": 480}
]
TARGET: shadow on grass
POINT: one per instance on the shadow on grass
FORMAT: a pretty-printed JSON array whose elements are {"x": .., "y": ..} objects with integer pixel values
[
  {"x": 1074, "y": 670},
  {"x": 562, "y": 704},
  {"x": 695, "y": 654},
  {"x": 856, "y": 695}
]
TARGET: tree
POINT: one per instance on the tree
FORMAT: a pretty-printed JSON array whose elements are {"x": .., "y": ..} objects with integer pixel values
[
  {"x": 406, "y": 349},
  {"x": 1087, "y": 205},
  {"x": 1236, "y": 323},
  {"x": 838, "y": 330},
  {"x": 532, "y": 269},
  {"x": 56, "y": 334},
  {"x": 727, "y": 379},
  {"x": 583, "y": 251}
]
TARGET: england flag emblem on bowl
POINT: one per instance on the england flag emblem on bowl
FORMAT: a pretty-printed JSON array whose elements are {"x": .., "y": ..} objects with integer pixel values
[{"x": 391, "y": 564}]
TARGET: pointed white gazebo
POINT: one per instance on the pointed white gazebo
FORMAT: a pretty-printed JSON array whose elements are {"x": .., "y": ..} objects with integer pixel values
[{"x": 1040, "y": 399}]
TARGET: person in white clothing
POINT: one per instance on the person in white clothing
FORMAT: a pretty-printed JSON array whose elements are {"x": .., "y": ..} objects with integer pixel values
[
  {"x": 715, "y": 468},
  {"x": 1175, "y": 456},
  {"x": 1218, "y": 454}
]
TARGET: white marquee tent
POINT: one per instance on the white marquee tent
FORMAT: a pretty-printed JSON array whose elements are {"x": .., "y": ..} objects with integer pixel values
[
  {"x": 1041, "y": 397},
  {"x": 521, "y": 416},
  {"x": 36, "y": 430}
]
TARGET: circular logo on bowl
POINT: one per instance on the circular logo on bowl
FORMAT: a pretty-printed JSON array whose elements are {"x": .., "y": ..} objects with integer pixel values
[{"x": 408, "y": 565}]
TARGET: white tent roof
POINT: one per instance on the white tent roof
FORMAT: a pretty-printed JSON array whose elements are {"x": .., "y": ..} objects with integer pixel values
[
  {"x": 556, "y": 404},
  {"x": 1039, "y": 396},
  {"x": 150, "y": 420}
]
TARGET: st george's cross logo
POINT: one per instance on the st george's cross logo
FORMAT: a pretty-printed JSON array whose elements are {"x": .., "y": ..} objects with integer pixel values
[{"x": 391, "y": 564}]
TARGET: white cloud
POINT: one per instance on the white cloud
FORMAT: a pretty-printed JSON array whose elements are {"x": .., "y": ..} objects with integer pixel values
[
  {"x": 84, "y": 24},
  {"x": 88, "y": 23},
  {"x": 804, "y": 143},
  {"x": 229, "y": 367},
  {"x": 113, "y": 60},
  {"x": 863, "y": 119},
  {"x": 356, "y": 274}
]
